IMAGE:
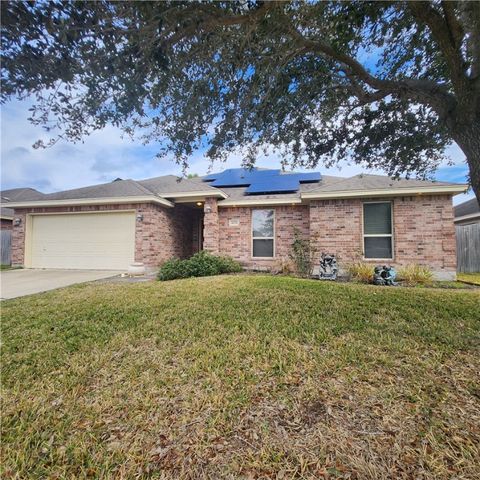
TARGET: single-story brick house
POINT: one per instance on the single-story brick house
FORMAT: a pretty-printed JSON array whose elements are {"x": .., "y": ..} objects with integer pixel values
[{"x": 250, "y": 216}]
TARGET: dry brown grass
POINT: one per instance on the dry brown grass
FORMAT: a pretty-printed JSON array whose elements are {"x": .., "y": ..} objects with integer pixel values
[
  {"x": 415, "y": 274},
  {"x": 361, "y": 272},
  {"x": 242, "y": 377}
]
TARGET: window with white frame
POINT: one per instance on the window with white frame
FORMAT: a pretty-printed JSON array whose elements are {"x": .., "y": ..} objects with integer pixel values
[
  {"x": 377, "y": 230},
  {"x": 263, "y": 226}
]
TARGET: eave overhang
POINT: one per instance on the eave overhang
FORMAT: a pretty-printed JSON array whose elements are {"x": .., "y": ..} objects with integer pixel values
[
  {"x": 259, "y": 202},
  {"x": 92, "y": 201},
  {"x": 387, "y": 192},
  {"x": 200, "y": 194}
]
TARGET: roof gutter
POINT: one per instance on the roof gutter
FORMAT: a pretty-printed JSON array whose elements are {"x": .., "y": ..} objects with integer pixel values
[
  {"x": 246, "y": 203},
  {"x": 200, "y": 193},
  {"x": 387, "y": 192},
  {"x": 92, "y": 201}
]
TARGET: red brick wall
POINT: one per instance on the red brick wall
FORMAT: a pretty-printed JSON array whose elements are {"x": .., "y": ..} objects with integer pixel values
[
  {"x": 336, "y": 227},
  {"x": 163, "y": 233},
  {"x": 236, "y": 240},
  {"x": 211, "y": 225},
  {"x": 424, "y": 231}
]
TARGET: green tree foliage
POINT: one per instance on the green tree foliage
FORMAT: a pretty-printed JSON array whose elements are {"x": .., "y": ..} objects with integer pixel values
[{"x": 385, "y": 84}]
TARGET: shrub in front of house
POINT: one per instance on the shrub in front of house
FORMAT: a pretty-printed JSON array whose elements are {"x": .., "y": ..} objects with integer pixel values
[
  {"x": 361, "y": 272},
  {"x": 302, "y": 255},
  {"x": 202, "y": 264},
  {"x": 172, "y": 269},
  {"x": 414, "y": 274}
]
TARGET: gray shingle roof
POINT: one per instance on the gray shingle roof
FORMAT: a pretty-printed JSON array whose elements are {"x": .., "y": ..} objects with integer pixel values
[
  {"x": 165, "y": 186},
  {"x": 168, "y": 185},
  {"x": 20, "y": 194},
  {"x": 373, "y": 182},
  {"x": 17, "y": 195},
  {"x": 467, "y": 208},
  {"x": 118, "y": 188}
]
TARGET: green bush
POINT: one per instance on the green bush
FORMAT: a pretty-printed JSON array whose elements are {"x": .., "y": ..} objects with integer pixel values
[
  {"x": 414, "y": 274},
  {"x": 202, "y": 264},
  {"x": 301, "y": 255},
  {"x": 361, "y": 272},
  {"x": 174, "y": 268}
]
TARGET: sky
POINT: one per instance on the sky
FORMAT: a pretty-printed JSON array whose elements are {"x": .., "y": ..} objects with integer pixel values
[{"x": 105, "y": 156}]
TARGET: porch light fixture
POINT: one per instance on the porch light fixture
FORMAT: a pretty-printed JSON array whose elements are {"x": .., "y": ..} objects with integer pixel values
[
  {"x": 139, "y": 217},
  {"x": 17, "y": 222},
  {"x": 199, "y": 204}
]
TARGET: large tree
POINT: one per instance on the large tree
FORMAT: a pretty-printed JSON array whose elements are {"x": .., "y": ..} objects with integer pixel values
[{"x": 385, "y": 84}]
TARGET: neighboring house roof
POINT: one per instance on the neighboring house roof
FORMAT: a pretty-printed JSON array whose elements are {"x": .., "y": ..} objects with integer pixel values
[
  {"x": 20, "y": 194},
  {"x": 16, "y": 195},
  {"x": 468, "y": 210},
  {"x": 168, "y": 188}
]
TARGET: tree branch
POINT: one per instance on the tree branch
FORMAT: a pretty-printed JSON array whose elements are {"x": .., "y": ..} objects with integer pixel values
[
  {"x": 213, "y": 20},
  {"x": 455, "y": 27},
  {"x": 425, "y": 91},
  {"x": 444, "y": 37},
  {"x": 470, "y": 16}
]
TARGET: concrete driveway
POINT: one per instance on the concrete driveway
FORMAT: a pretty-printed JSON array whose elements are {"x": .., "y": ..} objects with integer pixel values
[{"x": 17, "y": 283}]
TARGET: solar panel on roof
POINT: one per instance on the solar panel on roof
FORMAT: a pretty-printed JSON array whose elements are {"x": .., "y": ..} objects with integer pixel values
[
  {"x": 240, "y": 177},
  {"x": 275, "y": 184},
  {"x": 308, "y": 177},
  {"x": 261, "y": 181},
  {"x": 212, "y": 176}
]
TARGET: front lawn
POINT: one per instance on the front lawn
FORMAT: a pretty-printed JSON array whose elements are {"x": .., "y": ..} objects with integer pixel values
[{"x": 241, "y": 377}]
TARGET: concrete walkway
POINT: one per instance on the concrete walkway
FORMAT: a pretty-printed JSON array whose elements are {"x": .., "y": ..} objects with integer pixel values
[{"x": 18, "y": 283}]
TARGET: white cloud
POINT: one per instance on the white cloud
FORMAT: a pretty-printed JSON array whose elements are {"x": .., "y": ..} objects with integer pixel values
[{"x": 103, "y": 156}]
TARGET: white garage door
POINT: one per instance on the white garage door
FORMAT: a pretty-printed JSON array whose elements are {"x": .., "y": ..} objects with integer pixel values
[{"x": 84, "y": 240}]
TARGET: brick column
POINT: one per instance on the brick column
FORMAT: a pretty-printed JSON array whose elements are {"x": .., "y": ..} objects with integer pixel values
[
  {"x": 18, "y": 240},
  {"x": 210, "y": 225}
]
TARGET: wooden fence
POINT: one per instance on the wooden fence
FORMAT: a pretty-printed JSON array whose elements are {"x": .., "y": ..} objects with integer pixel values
[
  {"x": 6, "y": 246},
  {"x": 468, "y": 248}
]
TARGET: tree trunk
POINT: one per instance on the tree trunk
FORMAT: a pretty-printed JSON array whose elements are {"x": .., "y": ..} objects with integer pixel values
[{"x": 468, "y": 139}]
